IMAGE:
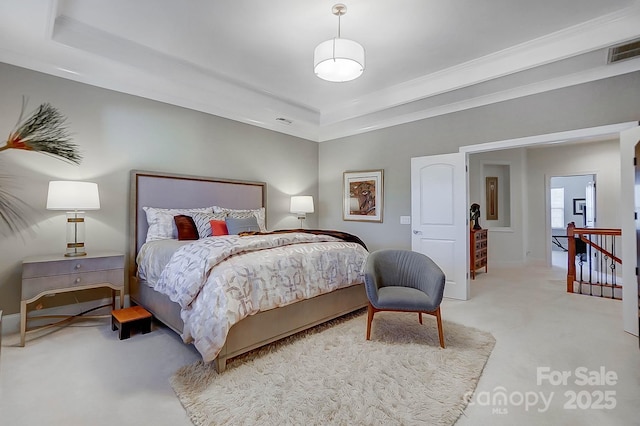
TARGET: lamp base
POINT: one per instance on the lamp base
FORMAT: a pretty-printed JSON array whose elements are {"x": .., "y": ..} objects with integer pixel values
[
  {"x": 75, "y": 234},
  {"x": 76, "y": 254}
]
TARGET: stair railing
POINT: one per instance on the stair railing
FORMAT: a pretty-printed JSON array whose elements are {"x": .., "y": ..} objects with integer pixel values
[{"x": 592, "y": 261}]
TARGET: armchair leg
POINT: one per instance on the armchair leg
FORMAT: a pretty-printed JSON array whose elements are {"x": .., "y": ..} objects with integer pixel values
[
  {"x": 370, "y": 313},
  {"x": 420, "y": 317},
  {"x": 440, "y": 333}
]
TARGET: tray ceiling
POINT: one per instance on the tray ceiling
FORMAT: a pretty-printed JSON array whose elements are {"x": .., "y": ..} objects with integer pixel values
[{"x": 252, "y": 61}]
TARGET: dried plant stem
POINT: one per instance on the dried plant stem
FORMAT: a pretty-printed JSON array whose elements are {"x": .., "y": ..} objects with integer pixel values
[{"x": 44, "y": 131}]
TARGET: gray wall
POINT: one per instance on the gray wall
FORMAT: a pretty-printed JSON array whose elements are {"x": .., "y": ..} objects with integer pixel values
[
  {"x": 117, "y": 133},
  {"x": 609, "y": 101}
]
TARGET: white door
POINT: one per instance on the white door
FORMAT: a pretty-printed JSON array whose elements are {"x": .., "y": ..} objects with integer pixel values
[
  {"x": 439, "y": 217},
  {"x": 629, "y": 203}
]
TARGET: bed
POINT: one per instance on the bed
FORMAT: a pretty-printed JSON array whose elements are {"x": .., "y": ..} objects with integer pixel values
[{"x": 174, "y": 191}]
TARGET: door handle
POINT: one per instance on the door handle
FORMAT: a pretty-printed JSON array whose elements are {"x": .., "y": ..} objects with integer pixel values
[{"x": 416, "y": 232}]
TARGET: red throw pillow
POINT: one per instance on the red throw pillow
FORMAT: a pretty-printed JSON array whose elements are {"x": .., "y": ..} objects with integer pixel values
[
  {"x": 218, "y": 227},
  {"x": 186, "y": 227}
]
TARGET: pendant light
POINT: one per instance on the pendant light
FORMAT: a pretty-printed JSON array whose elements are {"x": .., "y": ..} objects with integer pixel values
[{"x": 338, "y": 59}]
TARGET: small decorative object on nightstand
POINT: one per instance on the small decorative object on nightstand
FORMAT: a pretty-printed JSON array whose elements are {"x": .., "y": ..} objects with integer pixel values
[
  {"x": 124, "y": 319},
  {"x": 49, "y": 275}
]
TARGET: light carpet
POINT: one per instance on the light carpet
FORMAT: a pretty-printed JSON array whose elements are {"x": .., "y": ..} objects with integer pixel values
[{"x": 332, "y": 375}]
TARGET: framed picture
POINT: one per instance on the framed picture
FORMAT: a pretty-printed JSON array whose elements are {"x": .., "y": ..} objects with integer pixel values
[
  {"x": 578, "y": 206},
  {"x": 362, "y": 196},
  {"x": 491, "y": 190}
]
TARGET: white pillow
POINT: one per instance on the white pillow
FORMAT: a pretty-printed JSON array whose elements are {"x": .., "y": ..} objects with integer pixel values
[
  {"x": 203, "y": 222},
  {"x": 161, "y": 223},
  {"x": 243, "y": 214}
]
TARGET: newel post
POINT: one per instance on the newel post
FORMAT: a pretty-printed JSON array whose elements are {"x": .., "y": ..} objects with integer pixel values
[{"x": 571, "y": 257}]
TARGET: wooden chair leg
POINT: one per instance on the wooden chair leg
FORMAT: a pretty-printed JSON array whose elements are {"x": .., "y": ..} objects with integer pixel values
[
  {"x": 440, "y": 333},
  {"x": 420, "y": 317},
  {"x": 370, "y": 313}
]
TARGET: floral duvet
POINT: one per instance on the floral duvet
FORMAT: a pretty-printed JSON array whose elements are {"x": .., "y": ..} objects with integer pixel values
[{"x": 219, "y": 281}]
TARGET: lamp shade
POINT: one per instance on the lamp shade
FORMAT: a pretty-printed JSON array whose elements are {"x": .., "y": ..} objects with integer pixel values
[
  {"x": 301, "y": 204},
  {"x": 73, "y": 195},
  {"x": 338, "y": 60}
]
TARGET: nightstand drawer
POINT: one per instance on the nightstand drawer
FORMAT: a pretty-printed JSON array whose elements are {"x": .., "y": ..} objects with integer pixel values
[
  {"x": 31, "y": 287},
  {"x": 70, "y": 266}
]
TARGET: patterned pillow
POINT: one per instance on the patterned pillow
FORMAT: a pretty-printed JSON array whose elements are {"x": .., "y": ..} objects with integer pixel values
[
  {"x": 243, "y": 214},
  {"x": 186, "y": 228},
  {"x": 161, "y": 223},
  {"x": 203, "y": 222},
  {"x": 237, "y": 225}
]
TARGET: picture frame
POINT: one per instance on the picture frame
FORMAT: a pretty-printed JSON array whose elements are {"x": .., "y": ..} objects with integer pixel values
[
  {"x": 363, "y": 196},
  {"x": 578, "y": 206},
  {"x": 491, "y": 191}
]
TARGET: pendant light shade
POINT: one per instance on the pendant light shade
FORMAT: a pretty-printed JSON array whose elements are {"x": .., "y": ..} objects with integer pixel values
[{"x": 338, "y": 59}]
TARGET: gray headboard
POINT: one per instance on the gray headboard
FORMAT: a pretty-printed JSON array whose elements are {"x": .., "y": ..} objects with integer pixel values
[{"x": 166, "y": 190}]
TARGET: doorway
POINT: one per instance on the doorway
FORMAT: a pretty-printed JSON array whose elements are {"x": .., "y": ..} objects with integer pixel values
[
  {"x": 628, "y": 135},
  {"x": 571, "y": 199}
]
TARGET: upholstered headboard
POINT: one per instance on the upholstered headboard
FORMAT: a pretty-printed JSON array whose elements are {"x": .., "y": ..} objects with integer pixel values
[{"x": 166, "y": 190}]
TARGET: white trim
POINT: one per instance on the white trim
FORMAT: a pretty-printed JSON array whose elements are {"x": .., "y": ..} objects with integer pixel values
[
  {"x": 384, "y": 119},
  {"x": 500, "y": 229},
  {"x": 550, "y": 138},
  {"x": 76, "y": 51},
  {"x": 581, "y": 38}
]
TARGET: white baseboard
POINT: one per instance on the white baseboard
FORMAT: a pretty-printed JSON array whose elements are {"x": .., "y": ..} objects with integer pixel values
[
  {"x": 11, "y": 323},
  {"x": 536, "y": 262},
  {"x": 506, "y": 263}
]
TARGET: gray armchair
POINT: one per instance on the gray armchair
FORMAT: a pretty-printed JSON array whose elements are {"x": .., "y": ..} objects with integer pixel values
[{"x": 403, "y": 281}]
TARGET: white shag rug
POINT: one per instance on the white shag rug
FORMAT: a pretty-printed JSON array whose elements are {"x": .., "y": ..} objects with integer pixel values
[{"x": 332, "y": 375}]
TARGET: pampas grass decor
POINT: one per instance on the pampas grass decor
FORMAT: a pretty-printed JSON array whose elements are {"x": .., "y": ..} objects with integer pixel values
[{"x": 43, "y": 130}]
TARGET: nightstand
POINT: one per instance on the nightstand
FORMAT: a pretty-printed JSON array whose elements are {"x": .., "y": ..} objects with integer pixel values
[{"x": 48, "y": 275}]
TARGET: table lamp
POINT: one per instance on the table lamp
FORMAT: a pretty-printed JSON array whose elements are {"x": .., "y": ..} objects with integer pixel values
[
  {"x": 301, "y": 205},
  {"x": 74, "y": 197}
]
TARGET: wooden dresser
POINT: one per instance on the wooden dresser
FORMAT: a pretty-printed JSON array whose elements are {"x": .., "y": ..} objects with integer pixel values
[{"x": 479, "y": 246}]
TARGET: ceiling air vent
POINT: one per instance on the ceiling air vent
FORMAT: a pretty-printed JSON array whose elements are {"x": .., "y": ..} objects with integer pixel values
[
  {"x": 283, "y": 120},
  {"x": 624, "y": 51}
]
